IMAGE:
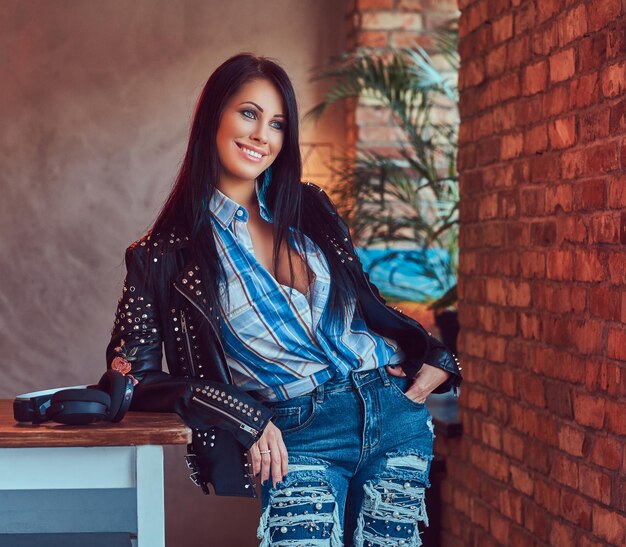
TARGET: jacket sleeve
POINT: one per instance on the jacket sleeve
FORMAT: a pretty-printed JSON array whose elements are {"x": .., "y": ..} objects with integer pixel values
[
  {"x": 135, "y": 349},
  {"x": 438, "y": 354}
]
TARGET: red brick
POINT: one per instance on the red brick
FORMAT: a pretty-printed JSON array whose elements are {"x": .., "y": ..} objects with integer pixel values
[
  {"x": 616, "y": 417},
  {"x": 590, "y": 265},
  {"x": 548, "y": 495},
  {"x": 595, "y": 484},
  {"x": 615, "y": 42},
  {"x": 573, "y": 164},
  {"x": 532, "y": 390},
  {"x": 513, "y": 444},
  {"x": 616, "y": 344},
  {"x": 562, "y": 132},
  {"x": 562, "y": 534},
  {"x": 533, "y": 264},
  {"x": 560, "y": 265},
  {"x": 571, "y": 440},
  {"x": 613, "y": 79},
  {"x": 389, "y": 20},
  {"x": 374, "y": 4},
  {"x": 372, "y": 115},
  {"x": 547, "y": 9},
  {"x": 558, "y": 197},
  {"x": 535, "y": 520},
  {"x": 522, "y": 480},
  {"x": 590, "y": 195},
  {"x": 587, "y": 336},
  {"x": 602, "y": 158},
  {"x": 543, "y": 234},
  {"x": 617, "y": 272},
  {"x": 492, "y": 463},
  {"x": 518, "y": 294},
  {"x": 502, "y": 28},
  {"x": 556, "y": 100},
  {"x": 479, "y": 513},
  {"x": 375, "y": 39},
  {"x": 409, "y": 39},
  {"x": 584, "y": 90},
  {"x": 604, "y": 302},
  {"x": 605, "y": 228},
  {"x": 594, "y": 125},
  {"x": 535, "y": 78},
  {"x": 537, "y": 458},
  {"x": 492, "y": 435},
  {"x": 536, "y": 139},
  {"x": 525, "y": 18},
  {"x": 559, "y": 402},
  {"x": 511, "y": 505},
  {"x": 606, "y": 452},
  {"x": 589, "y": 410},
  {"x": 572, "y": 25},
  {"x": 519, "y": 51},
  {"x": 584, "y": 541},
  {"x": 562, "y": 65},
  {"x": 609, "y": 525},
  {"x": 571, "y": 228},
  {"x": 576, "y": 509},
  {"x": 530, "y": 326},
  {"x": 564, "y": 470},
  {"x": 512, "y": 145},
  {"x": 499, "y": 528},
  {"x": 601, "y": 14},
  {"x": 617, "y": 118}
]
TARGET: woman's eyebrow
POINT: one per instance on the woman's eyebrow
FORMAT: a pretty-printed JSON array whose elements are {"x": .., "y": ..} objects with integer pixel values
[{"x": 250, "y": 102}]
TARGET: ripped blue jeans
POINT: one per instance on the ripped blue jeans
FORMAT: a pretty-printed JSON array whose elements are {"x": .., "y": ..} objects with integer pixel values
[{"x": 359, "y": 457}]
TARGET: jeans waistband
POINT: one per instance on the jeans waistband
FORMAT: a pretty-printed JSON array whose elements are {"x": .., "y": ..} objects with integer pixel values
[{"x": 354, "y": 379}]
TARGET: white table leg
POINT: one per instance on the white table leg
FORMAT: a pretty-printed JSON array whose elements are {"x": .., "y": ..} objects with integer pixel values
[{"x": 150, "y": 496}]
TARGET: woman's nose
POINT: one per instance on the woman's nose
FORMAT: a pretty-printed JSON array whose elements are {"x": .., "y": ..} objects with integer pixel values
[{"x": 260, "y": 135}]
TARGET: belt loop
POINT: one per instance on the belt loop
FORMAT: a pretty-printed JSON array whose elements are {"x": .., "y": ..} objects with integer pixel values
[
  {"x": 384, "y": 375},
  {"x": 319, "y": 394}
]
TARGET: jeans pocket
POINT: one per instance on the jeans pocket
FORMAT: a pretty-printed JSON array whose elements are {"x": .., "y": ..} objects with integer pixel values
[
  {"x": 399, "y": 385},
  {"x": 294, "y": 414}
]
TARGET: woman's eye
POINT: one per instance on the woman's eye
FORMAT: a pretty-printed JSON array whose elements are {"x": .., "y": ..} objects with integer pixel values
[
  {"x": 278, "y": 125},
  {"x": 246, "y": 112}
]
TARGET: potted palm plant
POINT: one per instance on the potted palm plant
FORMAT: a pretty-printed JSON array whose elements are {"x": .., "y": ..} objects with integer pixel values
[{"x": 407, "y": 203}]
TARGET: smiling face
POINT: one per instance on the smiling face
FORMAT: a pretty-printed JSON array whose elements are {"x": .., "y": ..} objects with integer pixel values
[{"x": 251, "y": 132}]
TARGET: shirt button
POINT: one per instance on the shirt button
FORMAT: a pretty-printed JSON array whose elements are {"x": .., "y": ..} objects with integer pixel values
[{"x": 239, "y": 212}]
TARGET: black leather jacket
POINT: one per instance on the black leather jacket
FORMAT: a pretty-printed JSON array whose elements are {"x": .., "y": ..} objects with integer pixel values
[{"x": 225, "y": 420}]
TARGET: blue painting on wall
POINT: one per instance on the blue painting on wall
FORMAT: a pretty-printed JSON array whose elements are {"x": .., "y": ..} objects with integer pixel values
[{"x": 408, "y": 274}]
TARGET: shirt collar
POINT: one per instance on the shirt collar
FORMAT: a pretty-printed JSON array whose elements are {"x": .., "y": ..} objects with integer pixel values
[{"x": 224, "y": 209}]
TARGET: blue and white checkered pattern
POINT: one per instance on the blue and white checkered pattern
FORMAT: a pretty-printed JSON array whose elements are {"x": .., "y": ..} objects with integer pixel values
[{"x": 277, "y": 342}]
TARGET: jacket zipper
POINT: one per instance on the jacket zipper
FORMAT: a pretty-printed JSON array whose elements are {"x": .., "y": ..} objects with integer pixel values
[
  {"x": 242, "y": 425},
  {"x": 217, "y": 338},
  {"x": 183, "y": 323}
]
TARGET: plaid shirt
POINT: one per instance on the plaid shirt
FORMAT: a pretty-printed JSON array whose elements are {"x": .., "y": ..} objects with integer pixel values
[{"x": 278, "y": 342}]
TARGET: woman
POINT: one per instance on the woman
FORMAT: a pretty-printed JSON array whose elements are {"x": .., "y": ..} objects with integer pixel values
[{"x": 282, "y": 356}]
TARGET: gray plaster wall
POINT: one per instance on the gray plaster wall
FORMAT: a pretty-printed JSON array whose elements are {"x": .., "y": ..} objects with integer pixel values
[{"x": 96, "y": 98}]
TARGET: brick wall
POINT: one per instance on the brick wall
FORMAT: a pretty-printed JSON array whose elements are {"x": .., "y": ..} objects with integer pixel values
[
  {"x": 542, "y": 276},
  {"x": 380, "y": 24}
]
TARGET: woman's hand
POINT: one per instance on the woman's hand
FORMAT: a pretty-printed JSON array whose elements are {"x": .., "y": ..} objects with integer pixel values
[
  {"x": 269, "y": 453},
  {"x": 424, "y": 382}
]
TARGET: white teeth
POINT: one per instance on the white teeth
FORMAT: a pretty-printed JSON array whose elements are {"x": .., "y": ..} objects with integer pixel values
[{"x": 251, "y": 153}]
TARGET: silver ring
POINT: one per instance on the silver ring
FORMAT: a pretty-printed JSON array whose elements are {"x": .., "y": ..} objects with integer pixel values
[{"x": 264, "y": 451}]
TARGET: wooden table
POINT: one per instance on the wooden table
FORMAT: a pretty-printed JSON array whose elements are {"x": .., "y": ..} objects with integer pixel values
[{"x": 98, "y": 484}]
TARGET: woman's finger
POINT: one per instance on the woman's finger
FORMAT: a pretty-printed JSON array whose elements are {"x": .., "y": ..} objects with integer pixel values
[
  {"x": 255, "y": 456},
  {"x": 277, "y": 461},
  {"x": 284, "y": 457},
  {"x": 266, "y": 462}
]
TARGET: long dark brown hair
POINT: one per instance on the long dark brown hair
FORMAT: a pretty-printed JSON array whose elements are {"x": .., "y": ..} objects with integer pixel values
[{"x": 186, "y": 210}]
